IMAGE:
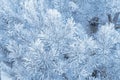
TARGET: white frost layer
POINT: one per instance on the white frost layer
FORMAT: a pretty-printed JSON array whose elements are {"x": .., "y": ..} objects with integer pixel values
[{"x": 5, "y": 76}]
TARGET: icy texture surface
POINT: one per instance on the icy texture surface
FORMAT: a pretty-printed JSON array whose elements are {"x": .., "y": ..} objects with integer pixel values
[{"x": 59, "y": 40}]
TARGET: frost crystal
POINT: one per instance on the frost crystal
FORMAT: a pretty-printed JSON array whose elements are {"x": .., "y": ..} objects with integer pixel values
[{"x": 59, "y": 40}]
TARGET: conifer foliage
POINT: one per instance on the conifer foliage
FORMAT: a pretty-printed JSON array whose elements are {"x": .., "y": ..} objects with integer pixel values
[{"x": 59, "y": 40}]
